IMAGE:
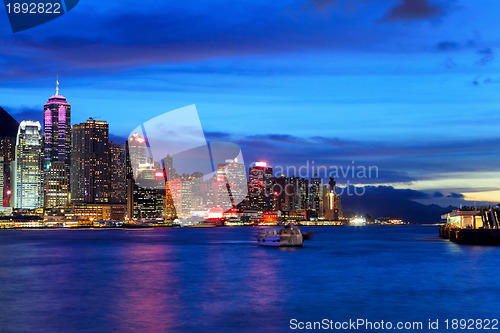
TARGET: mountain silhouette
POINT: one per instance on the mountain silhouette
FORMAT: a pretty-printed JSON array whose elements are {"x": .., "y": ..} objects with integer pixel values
[
  {"x": 8, "y": 125},
  {"x": 394, "y": 207}
]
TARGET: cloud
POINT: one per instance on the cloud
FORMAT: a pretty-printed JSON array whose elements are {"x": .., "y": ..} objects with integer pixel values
[
  {"x": 480, "y": 80},
  {"x": 391, "y": 192},
  {"x": 438, "y": 194},
  {"x": 487, "y": 55},
  {"x": 117, "y": 138},
  {"x": 391, "y": 162},
  {"x": 448, "y": 46},
  {"x": 455, "y": 195},
  {"x": 120, "y": 40},
  {"x": 27, "y": 113},
  {"x": 413, "y": 10},
  {"x": 324, "y": 4}
]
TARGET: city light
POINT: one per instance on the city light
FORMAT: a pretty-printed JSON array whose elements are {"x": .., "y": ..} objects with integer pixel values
[
  {"x": 260, "y": 164},
  {"x": 358, "y": 221},
  {"x": 215, "y": 213}
]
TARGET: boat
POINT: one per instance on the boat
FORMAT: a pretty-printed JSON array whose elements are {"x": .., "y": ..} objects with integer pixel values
[{"x": 287, "y": 235}]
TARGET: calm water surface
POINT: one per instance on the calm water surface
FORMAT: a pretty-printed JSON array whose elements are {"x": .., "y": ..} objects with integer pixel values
[{"x": 218, "y": 280}]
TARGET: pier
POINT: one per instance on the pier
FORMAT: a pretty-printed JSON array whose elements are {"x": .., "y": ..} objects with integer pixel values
[{"x": 476, "y": 227}]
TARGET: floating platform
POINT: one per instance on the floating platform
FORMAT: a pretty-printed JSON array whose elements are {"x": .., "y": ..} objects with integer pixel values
[{"x": 471, "y": 236}]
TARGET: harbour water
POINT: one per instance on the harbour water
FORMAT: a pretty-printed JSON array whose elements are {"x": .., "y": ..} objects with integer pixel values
[{"x": 219, "y": 280}]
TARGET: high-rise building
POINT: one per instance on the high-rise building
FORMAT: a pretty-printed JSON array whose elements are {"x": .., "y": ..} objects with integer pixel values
[
  {"x": 281, "y": 193},
  {"x": 7, "y": 151},
  {"x": 168, "y": 166},
  {"x": 26, "y": 169},
  {"x": 57, "y": 150},
  {"x": 117, "y": 173},
  {"x": 1, "y": 181},
  {"x": 260, "y": 187},
  {"x": 8, "y": 129},
  {"x": 173, "y": 200},
  {"x": 169, "y": 172},
  {"x": 191, "y": 199},
  {"x": 145, "y": 181},
  {"x": 315, "y": 196},
  {"x": 332, "y": 208},
  {"x": 90, "y": 171},
  {"x": 56, "y": 185},
  {"x": 231, "y": 184},
  {"x": 149, "y": 192}
]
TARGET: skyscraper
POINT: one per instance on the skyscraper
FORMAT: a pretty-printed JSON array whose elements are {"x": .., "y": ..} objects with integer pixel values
[
  {"x": 8, "y": 127},
  {"x": 117, "y": 173},
  {"x": 145, "y": 181},
  {"x": 260, "y": 187},
  {"x": 332, "y": 208},
  {"x": 302, "y": 194},
  {"x": 57, "y": 150},
  {"x": 315, "y": 196},
  {"x": 168, "y": 170},
  {"x": 90, "y": 172},
  {"x": 7, "y": 151},
  {"x": 231, "y": 184},
  {"x": 27, "y": 179},
  {"x": 1, "y": 181},
  {"x": 149, "y": 192}
]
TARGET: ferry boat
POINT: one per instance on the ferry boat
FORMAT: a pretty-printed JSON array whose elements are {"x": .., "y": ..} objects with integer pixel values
[{"x": 281, "y": 236}]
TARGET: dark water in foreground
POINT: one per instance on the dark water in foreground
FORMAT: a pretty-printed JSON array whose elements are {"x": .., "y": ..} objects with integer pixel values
[{"x": 217, "y": 280}]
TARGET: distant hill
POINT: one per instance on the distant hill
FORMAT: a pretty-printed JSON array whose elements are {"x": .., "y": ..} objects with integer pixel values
[
  {"x": 403, "y": 208},
  {"x": 8, "y": 125}
]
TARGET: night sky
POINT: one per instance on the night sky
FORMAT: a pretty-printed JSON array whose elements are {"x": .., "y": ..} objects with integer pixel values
[{"x": 409, "y": 86}]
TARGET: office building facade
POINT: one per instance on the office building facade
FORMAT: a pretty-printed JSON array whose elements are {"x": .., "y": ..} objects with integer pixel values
[
  {"x": 57, "y": 150},
  {"x": 26, "y": 168}
]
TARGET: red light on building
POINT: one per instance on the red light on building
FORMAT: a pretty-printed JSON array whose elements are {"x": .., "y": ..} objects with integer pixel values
[
  {"x": 260, "y": 164},
  {"x": 215, "y": 213},
  {"x": 276, "y": 193},
  {"x": 140, "y": 139},
  {"x": 159, "y": 174},
  {"x": 9, "y": 192}
]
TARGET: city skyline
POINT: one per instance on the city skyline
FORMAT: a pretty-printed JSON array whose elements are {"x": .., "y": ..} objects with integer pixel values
[
  {"x": 345, "y": 173},
  {"x": 253, "y": 165},
  {"x": 409, "y": 89},
  {"x": 76, "y": 173}
]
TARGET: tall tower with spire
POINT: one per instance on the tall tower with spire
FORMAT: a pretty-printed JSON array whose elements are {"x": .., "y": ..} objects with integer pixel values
[{"x": 57, "y": 150}]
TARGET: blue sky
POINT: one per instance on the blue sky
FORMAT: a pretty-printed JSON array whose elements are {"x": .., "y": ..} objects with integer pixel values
[{"x": 411, "y": 86}]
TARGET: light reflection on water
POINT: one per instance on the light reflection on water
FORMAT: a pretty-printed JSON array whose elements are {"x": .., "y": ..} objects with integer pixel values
[{"x": 219, "y": 280}]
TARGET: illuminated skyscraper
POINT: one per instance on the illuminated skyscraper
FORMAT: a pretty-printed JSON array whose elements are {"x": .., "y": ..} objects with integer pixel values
[
  {"x": 145, "y": 181},
  {"x": 117, "y": 173},
  {"x": 7, "y": 151},
  {"x": 8, "y": 128},
  {"x": 231, "y": 184},
  {"x": 1, "y": 181},
  {"x": 315, "y": 196},
  {"x": 90, "y": 172},
  {"x": 168, "y": 166},
  {"x": 148, "y": 198},
  {"x": 26, "y": 176},
  {"x": 57, "y": 150},
  {"x": 168, "y": 170},
  {"x": 260, "y": 187},
  {"x": 302, "y": 193},
  {"x": 332, "y": 207}
]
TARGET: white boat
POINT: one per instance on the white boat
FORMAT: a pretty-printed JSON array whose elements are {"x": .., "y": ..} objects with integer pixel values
[{"x": 281, "y": 235}]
